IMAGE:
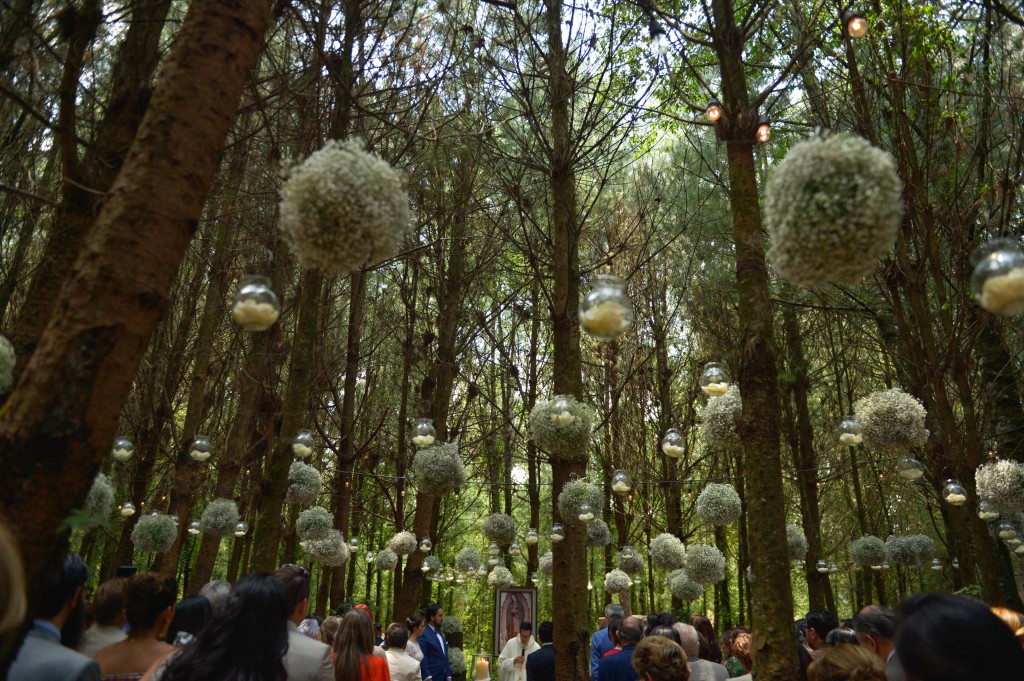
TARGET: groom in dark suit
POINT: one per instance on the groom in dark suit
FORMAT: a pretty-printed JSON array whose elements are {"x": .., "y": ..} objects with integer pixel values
[
  {"x": 435, "y": 647},
  {"x": 540, "y": 665}
]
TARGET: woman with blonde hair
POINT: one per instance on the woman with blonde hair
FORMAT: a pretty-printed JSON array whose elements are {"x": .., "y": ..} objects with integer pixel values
[
  {"x": 847, "y": 662},
  {"x": 353, "y": 650}
]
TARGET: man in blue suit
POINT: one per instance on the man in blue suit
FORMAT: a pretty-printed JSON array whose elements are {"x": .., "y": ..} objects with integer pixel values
[
  {"x": 540, "y": 665},
  {"x": 601, "y": 642},
  {"x": 619, "y": 667},
  {"x": 435, "y": 647}
]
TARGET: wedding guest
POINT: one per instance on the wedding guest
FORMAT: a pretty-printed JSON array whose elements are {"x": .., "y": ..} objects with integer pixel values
[
  {"x": 353, "y": 650},
  {"x": 657, "y": 658},
  {"x": 108, "y": 613},
  {"x": 847, "y": 663},
  {"x": 540, "y": 666},
  {"x": 217, "y": 593},
  {"x": 190, "y": 616},
  {"x": 306, "y": 659},
  {"x": 401, "y": 666},
  {"x": 149, "y": 608},
  {"x": 329, "y": 629},
  {"x": 704, "y": 627}
]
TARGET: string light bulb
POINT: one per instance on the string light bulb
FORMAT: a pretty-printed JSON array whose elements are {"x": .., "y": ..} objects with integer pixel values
[
  {"x": 764, "y": 129},
  {"x": 854, "y": 23},
  {"x": 713, "y": 110}
]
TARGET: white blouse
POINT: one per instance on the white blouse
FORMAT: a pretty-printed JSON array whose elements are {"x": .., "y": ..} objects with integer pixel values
[{"x": 412, "y": 649}]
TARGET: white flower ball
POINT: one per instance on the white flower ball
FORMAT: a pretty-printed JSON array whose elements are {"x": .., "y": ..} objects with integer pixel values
[
  {"x": 7, "y": 361},
  {"x": 500, "y": 578},
  {"x": 314, "y": 523},
  {"x": 705, "y": 564},
  {"x": 1001, "y": 483},
  {"x": 617, "y": 582},
  {"x": 439, "y": 468},
  {"x": 574, "y": 494},
  {"x": 154, "y": 533},
  {"x": 304, "y": 484},
  {"x": 832, "y": 210},
  {"x": 719, "y": 504},
  {"x": 331, "y": 550},
  {"x": 631, "y": 564},
  {"x": 99, "y": 501},
  {"x": 467, "y": 559},
  {"x": 564, "y": 439},
  {"x": 386, "y": 560},
  {"x": 404, "y": 543},
  {"x": 500, "y": 528},
  {"x": 667, "y": 552},
  {"x": 867, "y": 551},
  {"x": 456, "y": 658},
  {"x": 891, "y": 420},
  {"x": 343, "y": 208},
  {"x": 797, "y": 542},
  {"x": 718, "y": 419},
  {"x": 598, "y": 533},
  {"x": 546, "y": 564},
  {"x": 220, "y": 518},
  {"x": 683, "y": 588}
]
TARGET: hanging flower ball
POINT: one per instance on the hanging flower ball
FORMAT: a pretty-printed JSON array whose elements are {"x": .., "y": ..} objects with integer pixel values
[
  {"x": 705, "y": 564},
  {"x": 314, "y": 523},
  {"x": 500, "y": 528},
  {"x": 451, "y": 625},
  {"x": 630, "y": 562},
  {"x": 304, "y": 484},
  {"x": 562, "y": 427},
  {"x": 255, "y": 307},
  {"x": 546, "y": 564},
  {"x": 343, "y": 208},
  {"x": 667, "y": 552},
  {"x": 867, "y": 551},
  {"x": 617, "y": 582},
  {"x": 912, "y": 549},
  {"x": 500, "y": 578},
  {"x": 468, "y": 558},
  {"x": 386, "y": 560},
  {"x": 598, "y": 534},
  {"x": 718, "y": 419},
  {"x": 1001, "y": 484},
  {"x": 719, "y": 504},
  {"x": 998, "y": 278},
  {"x": 832, "y": 209},
  {"x": 576, "y": 494},
  {"x": 439, "y": 468},
  {"x": 683, "y": 588},
  {"x": 606, "y": 312},
  {"x": 432, "y": 564},
  {"x": 404, "y": 543},
  {"x": 891, "y": 420},
  {"x": 456, "y": 658},
  {"x": 7, "y": 361},
  {"x": 331, "y": 550},
  {"x": 154, "y": 533},
  {"x": 98, "y": 502},
  {"x": 796, "y": 541},
  {"x": 220, "y": 518}
]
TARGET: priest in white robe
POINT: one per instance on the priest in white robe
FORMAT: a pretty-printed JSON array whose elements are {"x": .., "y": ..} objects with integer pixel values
[{"x": 512, "y": 661}]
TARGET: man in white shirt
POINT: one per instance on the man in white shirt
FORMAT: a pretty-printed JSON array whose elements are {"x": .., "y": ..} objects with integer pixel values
[
  {"x": 306, "y": 659},
  {"x": 108, "y": 610},
  {"x": 512, "y": 660},
  {"x": 400, "y": 664}
]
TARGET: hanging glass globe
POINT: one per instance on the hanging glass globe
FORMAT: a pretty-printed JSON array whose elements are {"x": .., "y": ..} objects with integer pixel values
[
  {"x": 715, "y": 380},
  {"x": 590, "y": 585},
  {"x": 621, "y": 484},
  {"x": 193, "y": 528},
  {"x": 426, "y": 545},
  {"x": 302, "y": 445},
  {"x": 241, "y": 528},
  {"x": 449, "y": 576},
  {"x": 821, "y": 566},
  {"x": 954, "y": 493},
  {"x": 987, "y": 511},
  {"x": 998, "y": 278},
  {"x": 123, "y": 449},
  {"x": 854, "y": 23},
  {"x": 533, "y": 578},
  {"x": 849, "y": 431},
  {"x": 606, "y": 312},
  {"x": 127, "y": 509},
  {"x": 672, "y": 444},
  {"x": 514, "y": 550},
  {"x": 423, "y": 432},
  {"x": 175, "y": 518},
  {"x": 936, "y": 563},
  {"x": 256, "y": 307},
  {"x": 494, "y": 549},
  {"x": 909, "y": 468},
  {"x": 353, "y": 544},
  {"x": 834, "y": 567},
  {"x": 800, "y": 565},
  {"x": 493, "y": 560},
  {"x": 557, "y": 532},
  {"x": 425, "y": 567},
  {"x": 200, "y": 449},
  {"x": 460, "y": 578},
  {"x": 627, "y": 552},
  {"x": 532, "y": 538},
  {"x": 955, "y": 564},
  {"x": 1007, "y": 530},
  {"x": 586, "y": 513},
  {"x": 370, "y": 556},
  {"x": 561, "y": 414}
]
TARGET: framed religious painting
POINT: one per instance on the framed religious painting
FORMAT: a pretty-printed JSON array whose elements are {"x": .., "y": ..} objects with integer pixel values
[{"x": 513, "y": 606}]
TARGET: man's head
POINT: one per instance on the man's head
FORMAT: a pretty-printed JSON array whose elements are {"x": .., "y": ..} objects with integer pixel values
[
  {"x": 525, "y": 632},
  {"x": 62, "y": 599},
  {"x": 657, "y": 658},
  {"x": 875, "y": 627},
  {"x": 614, "y": 622},
  {"x": 613, "y": 610},
  {"x": 108, "y": 603},
  {"x": 819, "y": 623},
  {"x": 689, "y": 639},
  {"x": 296, "y": 583},
  {"x": 546, "y": 632},
  {"x": 398, "y": 636},
  {"x": 435, "y": 615},
  {"x": 631, "y": 630},
  {"x": 217, "y": 593}
]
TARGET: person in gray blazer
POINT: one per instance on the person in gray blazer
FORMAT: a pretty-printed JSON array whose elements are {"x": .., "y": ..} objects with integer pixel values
[
  {"x": 700, "y": 670},
  {"x": 306, "y": 659},
  {"x": 59, "y": 616}
]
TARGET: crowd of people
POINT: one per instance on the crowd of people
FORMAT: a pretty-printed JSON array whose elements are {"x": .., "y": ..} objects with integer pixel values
[{"x": 260, "y": 629}]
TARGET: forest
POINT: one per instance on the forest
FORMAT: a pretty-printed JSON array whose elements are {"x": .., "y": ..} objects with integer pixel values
[{"x": 701, "y": 307}]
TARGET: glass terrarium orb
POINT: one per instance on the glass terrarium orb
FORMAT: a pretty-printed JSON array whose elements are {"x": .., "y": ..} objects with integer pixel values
[
  {"x": 460, "y": 578},
  {"x": 590, "y": 585},
  {"x": 370, "y": 556},
  {"x": 193, "y": 527},
  {"x": 493, "y": 560},
  {"x": 426, "y": 545},
  {"x": 560, "y": 412},
  {"x": 241, "y": 528},
  {"x": 621, "y": 483},
  {"x": 532, "y": 538},
  {"x": 557, "y": 532},
  {"x": 955, "y": 564},
  {"x": 821, "y": 566},
  {"x": 256, "y": 306},
  {"x": 998, "y": 278},
  {"x": 353, "y": 543},
  {"x": 175, "y": 518},
  {"x": 715, "y": 380},
  {"x": 302, "y": 445},
  {"x": 449, "y": 576},
  {"x": 514, "y": 550},
  {"x": 954, "y": 493},
  {"x": 123, "y": 449},
  {"x": 909, "y": 468},
  {"x": 627, "y": 552},
  {"x": 849, "y": 431},
  {"x": 606, "y": 311},
  {"x": 672, "y": 444},
  {"x": 1007, "y": 530},
  {"x": 425, "y": 567},
  {"x": 533, "y": 578},
  {"x": 200, "y": 449},
  {"x": 936, "y": 563},
  {"x": 127, "y": 509},
  {"x": 423, "y": 432},
  {"x": 833, "y": 567},
  {"x": 586, "y": 513},
  {"x": 987, "y": 511},
  {"x": 494, "y": 549}
]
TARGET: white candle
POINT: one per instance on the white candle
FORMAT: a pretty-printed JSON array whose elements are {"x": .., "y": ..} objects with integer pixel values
[
  {"x": 850, "y": 439},
  {"x": 956, "y": 499},
  {"x": 483, "y": 669},
  {"x": 715, "y": 389},
  {"x": 254, "y": 315},
  {"x": 301, "y": 450},
  {"x": 620, "y": 486},
  {"x": 198, "y": 455},
  {"x": 586, "y": 517},
  {"x": 1004, "y": 293},
  {"x": 606, "y": 319},
  {"x": 563, "y": 418},
  {"x": 423, "y": 440},
  {"x": 122, "y": 454},
  {"x": 675, "y": 451}
]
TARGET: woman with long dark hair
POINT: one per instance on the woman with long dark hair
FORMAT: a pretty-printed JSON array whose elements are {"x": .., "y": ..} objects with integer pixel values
[
  {"x": 710, "y": 650},
  {"x": 353, "y": 650},
  {"x": 190, "y": 616},
  {"x": 246, "y": 641}
]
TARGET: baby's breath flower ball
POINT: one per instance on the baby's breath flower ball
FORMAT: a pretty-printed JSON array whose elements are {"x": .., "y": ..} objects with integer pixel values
[
  {"x": 546, "y": 564},
  {"x": 797, "y": 542},
  {"x": 304, "y": 484},
  {"x": 683, "y": 588},
  {"x": 891, "y": 420},
  {"x": 912, "y": 549},
  {"x": 314, "y": 524},
  {"x": 718, "y": 503},
  {"x": 705, "y": 564},
  {"x": 667, "y": 552},
  {"x": 386, "y": 560},
  {"x": 220, "y": 518},
  {"x": 1001, "y": 483},
  {"x": 923, "y": 547},
  {"x": 439, "y": 468},
  {"x": 7, "y": 360},
  {"x": 867, "y": 551},
  {"x": 432, "y": 565},
  {"x": 451, "y": 625},
  {"x": 718, "y": 419},
  {"x": 404, "y": 543},
  {"x": 631, "y": 563},
  {"x": 574, "y": 494},
  {"x": 617, "y": 582},
  {"x": 154, "y": 533},
  {"x": 343, "y": 208},
  {"x": 99, "y": 502},
  {"x": 598, "y": 533},
  {"x": 331, "y": 550},
  {"x": 565, "y": 436},
  {"x": 467, "y": 559},
  {"x": 500, "y": 528},
  {"x": 500, "y": 578},
  {"x": 456, "y": 658},
  {"x": 832, "y": 209}
]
